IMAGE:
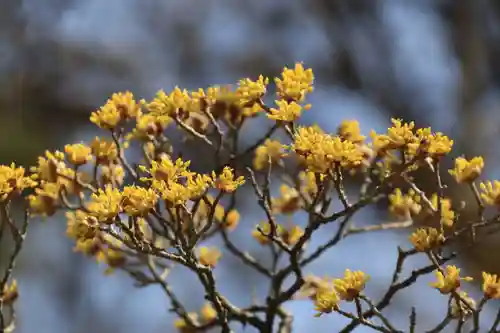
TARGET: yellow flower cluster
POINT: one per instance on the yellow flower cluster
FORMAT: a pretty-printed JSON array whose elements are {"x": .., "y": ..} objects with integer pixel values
[
  {"x": 491, "y": 193},
  {"x": 289, "y": 235},
  {"x": 449, "y": 279},
  {"x": 404, "y": 205},
  {"x": 425, "y": 239},
  {"x": 271, "y": 151},
  {"x": 13, "y": 180},
  {"x": 447, "y": 213},
  {"x": 209, "y": 256},
  {"x": 295, "y": 83},
  {"x": 329, "y": 293},
  {"x": 121, "y": 106},
  {"x": 321, "y": 152},
  {"x": 467, "y": 171},
  {"x": 420, "y": 142},
  {"x": 208, "y": 315}
]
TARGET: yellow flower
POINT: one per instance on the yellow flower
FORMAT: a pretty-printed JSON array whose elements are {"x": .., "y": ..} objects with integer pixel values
[
  {"x": 120, "y": 106},
  {"x": 467, "y": 171},
  {"x": 226, "y": 181},
  {"x": 105, "y": 151},
  {"x": 349, "y": 130},
  {"x": 308, "y": 183},
  {"x": 491, "y": 286},
  {"x": 112, "y": 174},
  {"x": 45, "y": 200},
  {"x": 326, "y": 300},
  {"x": 351, "y": 285},
  {"x": 435, "y": 145},
  {"x": 209, "y": 256},
  {"x": 425, "y": 239},
  {"x": 13, "y": 180},
  {"x": 138, "y": 201},
  {"x": 271, "y": 150},
  {"x": 450, "y": 280},
  {"x": 164, "y": 106},
  {"x": 447, "y": 214},
  {"x": 404, "y": 206},
  {"x": 167, "y": 170},
  {"x": 10, "y": 293},
  {"x": 320, "y": 151},
  {"x": 399, "y": 135},
  {"x": 78, "y": 154},
  {"x": 262, "y": 237},
  {"x": 184, "y": 327},
  {"x": 286, "y": 111},
  {"x": 49, "y": 166},
  {"x": 106, "y": 204},
  {"x": 232, "y": 219},
  {"x": 81, "y": 226},
  {"x": 459, "y": 309},
  {"x": 250, "y": 91},
  {"x": 208, "y": 313},
  {"x": 107, "y": 116},
  {"x": 289, "y": 202},
  {"x": 491, "y": 193},
  {"x": 292, "y": 235},
  {"x": 295, "y": 83}
]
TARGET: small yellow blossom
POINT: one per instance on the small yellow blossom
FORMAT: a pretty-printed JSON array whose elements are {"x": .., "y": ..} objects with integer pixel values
[
  {"x": 107, "y": 116},
  {"x": 399, "y": 135},
  {"x": 351, "y": 285},
  {"x": 10, "y": 293},
  {"x": 404, "y": 205},
  {"x": 226, "y": 181},
  {"x": 250, "y": 91},
  {"x": 45, "y": 200},
  {"x": 308, "y": 183},
  {"x": 263, "y": 237},
  {"x": 106, "y": 204},
  {"x": 112, "y": 174},
  {"x": 292, "y": 235},
  {"x": 459, "y": 309},
  {"x": 167, "y": 170},
  {"x": 209, "y": 256},
  {"x": 286, "y": 111},
  {"x": 120, "y": 106},
  {"x": 13, "y": 180},
  {"x": 81, "y": 226},
  {"x": 104, "y": 150},
  {"x": 232, "y": 219},
  {"x": 49, "y": 166},
  {"x": 467, "y": 171},
  {"x": 320, "y": 151},
  {"x": 289, "y": 201},
  {"x": 193, "y": 186},
  {"x": 326, "y": 300},
  {"x": 424, "y": 239},
  {"x": 491, "y": 286},
  {"x": 271, "y": 150},
  {"x": 164, "y": 106},
  {"x": 450, "y": 280},
  {"x": 491, "y": 193},
  {"x": 295, "y": 83},
  {"x": 349, "y": 130},
  {"x": 138, "y": 201},
  {"x": 208, "y": 313},
  {"x": 184, "y": 327},
  {"x": 447, "y": 214},
  {"x": 435, "y": 145},
  {"x": 78, "y": 154}
]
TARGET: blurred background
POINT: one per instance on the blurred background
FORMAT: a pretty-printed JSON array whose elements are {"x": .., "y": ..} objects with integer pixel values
[{"x": 432, "y": 61}]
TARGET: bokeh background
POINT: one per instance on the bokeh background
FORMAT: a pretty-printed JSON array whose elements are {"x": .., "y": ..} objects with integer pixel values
[{"x": 432, "y": 61}]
